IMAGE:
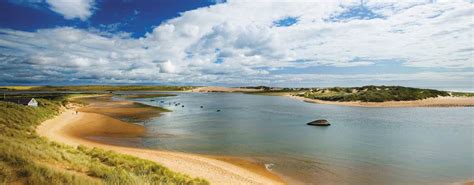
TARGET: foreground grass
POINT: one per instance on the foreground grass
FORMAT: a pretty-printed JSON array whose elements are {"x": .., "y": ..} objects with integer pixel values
[
  {"x": 96, "y": 88},
  {"x": 26, "y": 158}
]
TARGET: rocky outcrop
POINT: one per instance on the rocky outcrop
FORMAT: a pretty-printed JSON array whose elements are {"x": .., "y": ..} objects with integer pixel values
[{"x": 319, "y": 122}]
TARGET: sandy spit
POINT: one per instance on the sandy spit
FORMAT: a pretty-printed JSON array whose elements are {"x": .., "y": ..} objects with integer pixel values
[{"x": 430, "y": 102}]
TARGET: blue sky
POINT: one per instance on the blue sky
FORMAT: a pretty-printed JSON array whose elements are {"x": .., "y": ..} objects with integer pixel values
[
  {"x": 135, "y": 17},
  {"x": 236, "y": 42}
]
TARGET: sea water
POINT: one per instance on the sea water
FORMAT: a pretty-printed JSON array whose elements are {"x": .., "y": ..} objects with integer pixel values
[{"x": 362, "y": 146}]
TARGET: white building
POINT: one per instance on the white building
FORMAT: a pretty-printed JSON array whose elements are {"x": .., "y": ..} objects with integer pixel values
[{"x": 22, "y": 101}]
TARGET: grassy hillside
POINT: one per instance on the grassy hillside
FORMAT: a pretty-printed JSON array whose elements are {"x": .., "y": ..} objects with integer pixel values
[
  {"x": 95, "y": 88},
  {"x": 26, "y": 158},
  {"x": 371, "y": 93}
]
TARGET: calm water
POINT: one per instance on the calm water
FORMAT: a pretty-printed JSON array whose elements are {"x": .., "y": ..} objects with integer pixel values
[{"x": 362, "y": 146}]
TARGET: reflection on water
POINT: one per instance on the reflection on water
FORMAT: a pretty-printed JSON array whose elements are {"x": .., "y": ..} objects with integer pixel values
[{"x": 362, "y": 146}]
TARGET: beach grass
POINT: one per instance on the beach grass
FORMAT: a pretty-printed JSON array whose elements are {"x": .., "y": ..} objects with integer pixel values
[{"x": 27, "y": 158}]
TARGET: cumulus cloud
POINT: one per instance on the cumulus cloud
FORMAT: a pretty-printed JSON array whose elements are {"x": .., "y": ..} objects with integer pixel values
[
  {"x": 72, "y": 9},
  {"x": 213, "y": 45}
]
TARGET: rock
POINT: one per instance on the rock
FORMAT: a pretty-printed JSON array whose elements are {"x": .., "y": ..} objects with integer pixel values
[{"x": 319, "y": 122}]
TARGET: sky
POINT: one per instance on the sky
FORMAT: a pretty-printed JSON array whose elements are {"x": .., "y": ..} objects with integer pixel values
[{"x": 237, "y": 42}]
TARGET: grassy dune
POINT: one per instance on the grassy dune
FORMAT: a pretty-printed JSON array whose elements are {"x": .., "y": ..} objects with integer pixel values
[
  {"x": 26, "y": 158},
  {"x": 372, "y": 93}
]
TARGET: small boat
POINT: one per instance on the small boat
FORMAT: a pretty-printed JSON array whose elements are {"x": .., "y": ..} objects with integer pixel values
[{"x": 218, "y": 110}]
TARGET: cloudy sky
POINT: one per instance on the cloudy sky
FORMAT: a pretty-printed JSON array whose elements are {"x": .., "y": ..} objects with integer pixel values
[{"x": 233, "y": 43}]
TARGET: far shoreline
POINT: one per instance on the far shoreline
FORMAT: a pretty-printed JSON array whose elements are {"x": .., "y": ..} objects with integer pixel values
[{"x": 443, "y": 101}]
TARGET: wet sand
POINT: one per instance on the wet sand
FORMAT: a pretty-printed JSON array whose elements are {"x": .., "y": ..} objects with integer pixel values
[{"x": 76, "y": 129}]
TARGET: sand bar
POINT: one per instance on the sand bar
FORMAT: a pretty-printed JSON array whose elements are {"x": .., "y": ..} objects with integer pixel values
[{"x": 448, "y": 101}]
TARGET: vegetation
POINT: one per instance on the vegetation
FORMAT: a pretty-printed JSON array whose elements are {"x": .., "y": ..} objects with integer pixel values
[
  {"x": 275, "y": 92},
  {"x": 96, "y": 88},
  {"x": 142, "y": 105},
  {"x": 372, "y": 93},
  {"x": 26, "y": 158},
  {"x": 462, "y": 94}
]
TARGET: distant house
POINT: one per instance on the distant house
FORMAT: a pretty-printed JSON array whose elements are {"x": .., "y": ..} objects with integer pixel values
[{"x": 22, "y": 101}]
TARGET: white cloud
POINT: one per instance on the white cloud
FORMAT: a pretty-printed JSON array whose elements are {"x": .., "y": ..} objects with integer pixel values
[
  {"x": 72, "y": 9},
  {"x": 236, "y": 43}
]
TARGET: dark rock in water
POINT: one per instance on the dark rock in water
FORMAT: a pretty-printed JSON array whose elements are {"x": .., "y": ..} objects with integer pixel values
[{"x": 319, "y": 122}]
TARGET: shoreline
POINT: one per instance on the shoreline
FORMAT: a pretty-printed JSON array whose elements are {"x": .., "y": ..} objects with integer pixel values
[
  {"x": 430, "y": 102},
  {"x": 74, "y": 129}
]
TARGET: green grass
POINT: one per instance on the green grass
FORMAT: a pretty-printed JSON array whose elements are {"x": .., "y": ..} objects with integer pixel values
[
  {"x": 29, "y": 159},
  {"x": 462, "y": 94},
  {"x": 269, "y": 93},
  {"x": 96, "y": 88},
  {"x": 372, "y": 93},
  {"x": 161, "y": 109}
]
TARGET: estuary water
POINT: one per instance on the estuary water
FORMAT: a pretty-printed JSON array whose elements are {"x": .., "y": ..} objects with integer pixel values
[{"x": 362, "y": 146}]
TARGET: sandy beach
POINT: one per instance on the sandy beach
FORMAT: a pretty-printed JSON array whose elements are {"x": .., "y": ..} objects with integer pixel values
[
  {"x": 430, "y": 102},
  {"x": 74, "y": 129}
]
